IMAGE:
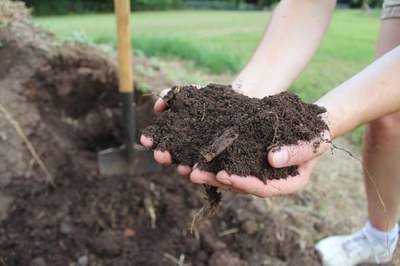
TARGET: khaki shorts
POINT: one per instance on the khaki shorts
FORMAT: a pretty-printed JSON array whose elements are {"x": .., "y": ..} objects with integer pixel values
[{"x": 391, "y": 9}]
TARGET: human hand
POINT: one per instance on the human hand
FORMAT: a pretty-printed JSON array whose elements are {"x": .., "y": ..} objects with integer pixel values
[
  {"x": 305, "y": 155},
  {"x": 164, "y": 157}
]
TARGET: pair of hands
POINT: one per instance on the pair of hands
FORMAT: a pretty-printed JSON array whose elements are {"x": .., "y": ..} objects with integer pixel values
[{"x": 304, "y": 155}]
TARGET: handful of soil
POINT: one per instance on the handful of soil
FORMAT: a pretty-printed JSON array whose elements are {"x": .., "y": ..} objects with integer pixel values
[{"x": 221, "y": 129}]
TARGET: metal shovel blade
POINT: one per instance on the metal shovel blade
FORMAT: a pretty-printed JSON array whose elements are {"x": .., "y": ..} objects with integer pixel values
[
  {"x": 130, "y": 158},
  {"x": 121, "y": 162}
]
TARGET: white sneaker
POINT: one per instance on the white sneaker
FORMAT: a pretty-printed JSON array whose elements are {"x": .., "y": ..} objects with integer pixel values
[{"x": 353, "y": 249}]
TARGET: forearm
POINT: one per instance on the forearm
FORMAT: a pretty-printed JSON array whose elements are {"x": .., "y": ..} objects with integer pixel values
[
  {"x": 372, "y": 93},
  {"x": 292, "y": 37}
]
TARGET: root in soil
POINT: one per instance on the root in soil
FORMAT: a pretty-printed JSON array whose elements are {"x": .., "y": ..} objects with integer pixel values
[
  {"x": 22, "y": 135},
  {"x": 221, "y": 129}
]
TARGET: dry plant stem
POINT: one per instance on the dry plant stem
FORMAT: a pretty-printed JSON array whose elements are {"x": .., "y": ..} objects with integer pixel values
[
  {"x": 200, "y": 214},
  {"x": 149, "y": 206},
  {"x": 276, "y": 126},
  {"x": 366, "y": 170},
  {"x": 152, "y": 94},
  {"x": 21, "y": 134},
  {"x": 179, "y": 262},
  {"x": 229, "y": 232},
  {"x": 375, "y": 186}
]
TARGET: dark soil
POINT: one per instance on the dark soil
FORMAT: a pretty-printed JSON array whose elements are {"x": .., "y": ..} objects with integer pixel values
[
  {"x": 65, "y": 100},
  {"x": 221, "y": 129}
]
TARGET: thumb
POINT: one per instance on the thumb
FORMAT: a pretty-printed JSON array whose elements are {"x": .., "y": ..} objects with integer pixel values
[{"x": 289, "y": 155}]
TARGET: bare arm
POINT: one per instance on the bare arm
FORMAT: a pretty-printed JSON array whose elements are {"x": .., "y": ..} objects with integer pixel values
[
  {"x": 290, "y": 40},
  {"x": 372, "y": 93}
]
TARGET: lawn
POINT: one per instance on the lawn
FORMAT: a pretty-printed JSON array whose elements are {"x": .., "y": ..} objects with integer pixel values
[{"x": 222, "y": 41}]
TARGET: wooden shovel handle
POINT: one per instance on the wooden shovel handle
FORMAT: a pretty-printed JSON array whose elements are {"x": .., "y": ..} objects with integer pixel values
[{"x": 123, "y": 12}]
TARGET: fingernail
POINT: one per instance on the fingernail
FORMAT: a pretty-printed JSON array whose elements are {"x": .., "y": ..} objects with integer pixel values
[
  {"x": 225, "y": 181},
  {"x": 280, "y": 158}
]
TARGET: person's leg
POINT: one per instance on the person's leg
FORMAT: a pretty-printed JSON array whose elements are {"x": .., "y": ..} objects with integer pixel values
[
  {"x": 381, "y": 156},
  {"x": 381, "y": 149},
  {"x": 376, "y": 241}
]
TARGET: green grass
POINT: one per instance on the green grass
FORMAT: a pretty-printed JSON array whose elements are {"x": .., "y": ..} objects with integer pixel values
[
  {"x": 223, "y": 41},
  {"x": 216, "y": 41}
]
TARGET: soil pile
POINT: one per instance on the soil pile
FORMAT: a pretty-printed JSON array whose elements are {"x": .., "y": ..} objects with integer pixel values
[
  {"x": 64, "y": 97},
  {"x": 221, "y": 129}
]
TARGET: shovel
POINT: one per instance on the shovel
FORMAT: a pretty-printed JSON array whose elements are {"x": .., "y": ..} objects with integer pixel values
[{"x": 130, "y": 158}]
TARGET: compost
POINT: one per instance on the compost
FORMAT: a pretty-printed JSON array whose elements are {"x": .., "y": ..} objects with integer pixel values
[{"x": 221, "y": 129}]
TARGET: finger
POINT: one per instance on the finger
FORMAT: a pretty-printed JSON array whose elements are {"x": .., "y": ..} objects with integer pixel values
[
  {"x": 146, "y": 141},
  {"x": 203, "y": 177},
  {"x": 253, "y": 185},
  {"x": 184, "y": 170},
  {"x": 163, "y": 157},
  {"x": 249, "y": 184},
  {"x": 161, "y": 105},
  {"x": 296, "y": 154},
  {"x": 223, "y": 178}
]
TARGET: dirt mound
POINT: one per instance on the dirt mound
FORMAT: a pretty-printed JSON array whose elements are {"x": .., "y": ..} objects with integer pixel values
[{"x": 64, "y": 97}]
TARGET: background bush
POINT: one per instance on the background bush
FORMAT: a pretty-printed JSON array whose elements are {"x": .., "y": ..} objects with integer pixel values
[{"x": 63, "y": 7}]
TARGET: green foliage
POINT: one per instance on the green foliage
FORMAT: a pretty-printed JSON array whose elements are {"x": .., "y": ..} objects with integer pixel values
[
  {"x": 63, "y": 7},
  {"x": 78, "y": 36},
  {"x": 170, "y": 47},
  {"x": 157, "y": 4},
  {"x": 142, "y": 87},
  {"x": 215, "y": 61},
  {"x": 371, "y": 3}
]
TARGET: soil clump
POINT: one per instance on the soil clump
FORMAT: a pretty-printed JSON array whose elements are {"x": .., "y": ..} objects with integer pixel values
[{"x": 221, "y": 129}]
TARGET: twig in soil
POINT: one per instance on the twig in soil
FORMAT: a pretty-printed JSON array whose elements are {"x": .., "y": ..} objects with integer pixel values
[
  {"x": 200, "y": 214},
  {"x": 275, "y": 131},
  {"x": 21, "y": 134},
  {"x": 149, "y": 206},
  {"x": 213, "y": 198},
  {"x": 229, "y": 232},
  {"x": 366, "y": 170},
  {"x": 219, "y": 144},
  {"x": 181, "y": 259},
  {"x": 196, "y": 235},
  {"x": 204, "y": 112},
  {"x": 152, "y": 94},
  {"x": 375, "y": 187},
  {"x": 28, "y": 172},
  {"x": 179, "y": 262}
]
